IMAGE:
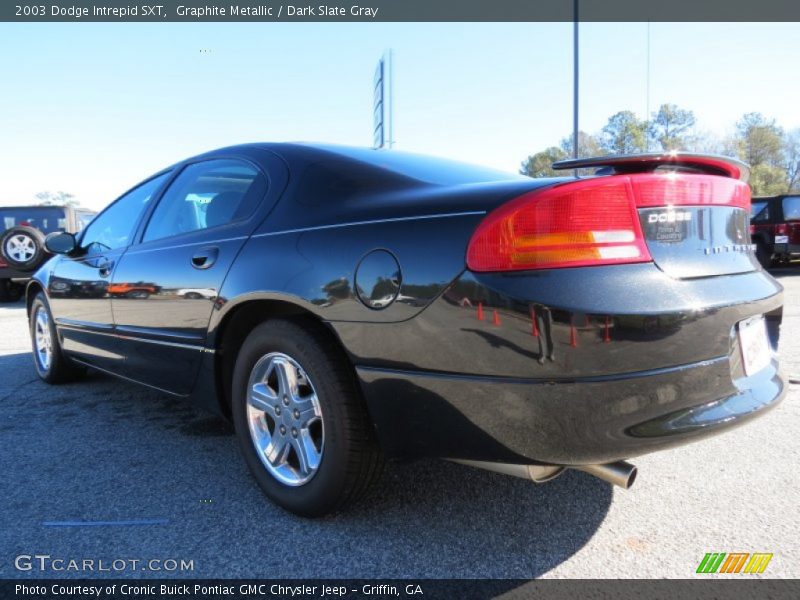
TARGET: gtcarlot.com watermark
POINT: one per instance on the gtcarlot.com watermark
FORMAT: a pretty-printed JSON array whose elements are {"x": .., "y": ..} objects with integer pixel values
[{"x": 57, "y": 564}]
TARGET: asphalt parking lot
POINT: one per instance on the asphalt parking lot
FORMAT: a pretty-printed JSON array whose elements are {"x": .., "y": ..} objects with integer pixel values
[{"x": 104, "y": 450}]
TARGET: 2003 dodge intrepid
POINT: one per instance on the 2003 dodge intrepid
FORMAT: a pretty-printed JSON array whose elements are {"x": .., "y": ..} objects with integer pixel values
[{"x": 341, "y": 305}]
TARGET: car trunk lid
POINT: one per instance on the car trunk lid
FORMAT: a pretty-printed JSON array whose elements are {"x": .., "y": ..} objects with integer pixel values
[{"x": 693, "y": 210}]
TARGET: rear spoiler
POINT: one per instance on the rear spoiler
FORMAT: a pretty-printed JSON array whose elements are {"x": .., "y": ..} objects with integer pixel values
[{"x": 639, "y": 163}]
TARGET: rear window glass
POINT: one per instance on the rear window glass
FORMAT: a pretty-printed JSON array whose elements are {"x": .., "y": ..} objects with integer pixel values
[
  {"x": 44, "y": 218},
  {"x": 427, "y": 169},
  {"x": 791, "y": 208}
]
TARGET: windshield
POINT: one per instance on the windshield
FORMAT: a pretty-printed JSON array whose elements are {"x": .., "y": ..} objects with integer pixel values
[{"x": 44, "y": 218}]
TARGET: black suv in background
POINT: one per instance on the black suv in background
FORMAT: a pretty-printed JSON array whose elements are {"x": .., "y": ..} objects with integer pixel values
[
  {"x": 775, "y": 228},
  {"x": 22, "y": 232}
]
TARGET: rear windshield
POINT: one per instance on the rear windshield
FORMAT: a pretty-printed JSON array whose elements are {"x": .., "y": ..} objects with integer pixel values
[
  {"x": 791, "y": 208},
  {"x": 44, "y": 218},
  {"x": 427, "y": 169}
]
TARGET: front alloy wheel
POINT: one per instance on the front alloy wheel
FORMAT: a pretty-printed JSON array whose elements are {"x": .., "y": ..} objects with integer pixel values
[
  {"x": 52, "y": 365},
  {"x": 285, "y": 419},
  {"x": 42, "y": 338}
]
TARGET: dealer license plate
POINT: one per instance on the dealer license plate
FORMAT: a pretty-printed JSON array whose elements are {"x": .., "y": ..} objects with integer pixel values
[{"x": 756, "y": 351}]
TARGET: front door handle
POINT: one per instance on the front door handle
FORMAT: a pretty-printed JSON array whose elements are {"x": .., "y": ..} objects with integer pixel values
[{"x": 205, "y": 258}]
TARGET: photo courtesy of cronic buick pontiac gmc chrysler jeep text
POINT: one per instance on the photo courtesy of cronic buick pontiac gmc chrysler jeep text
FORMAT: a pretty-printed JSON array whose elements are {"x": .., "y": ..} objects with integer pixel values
[{"x": 343, "y": 305}]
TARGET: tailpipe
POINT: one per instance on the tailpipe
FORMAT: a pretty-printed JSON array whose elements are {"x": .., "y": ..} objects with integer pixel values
[
  {"x": 620, "y": 473},
  {"x": 536, "y": 473}
]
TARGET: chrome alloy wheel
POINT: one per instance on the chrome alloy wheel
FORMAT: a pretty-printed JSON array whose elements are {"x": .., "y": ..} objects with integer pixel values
[
  {"x": 285, "y": 419},
  {"x": 20, "y": 247},
  {"x": 42, "y": 339}
]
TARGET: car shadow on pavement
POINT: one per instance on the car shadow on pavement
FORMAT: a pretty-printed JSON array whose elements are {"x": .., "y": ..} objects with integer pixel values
[{"x": 425, "y": 519}]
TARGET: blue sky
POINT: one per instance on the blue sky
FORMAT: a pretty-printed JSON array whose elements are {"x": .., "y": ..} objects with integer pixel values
[{"x": 92, "y": 108}]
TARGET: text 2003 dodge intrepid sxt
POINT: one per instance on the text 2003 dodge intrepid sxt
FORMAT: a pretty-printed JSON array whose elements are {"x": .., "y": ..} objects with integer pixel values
[{"x": 341, "y": 305}]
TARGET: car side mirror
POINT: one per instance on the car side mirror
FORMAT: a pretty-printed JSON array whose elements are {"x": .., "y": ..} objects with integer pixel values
[{"x": 60, "y": 242}]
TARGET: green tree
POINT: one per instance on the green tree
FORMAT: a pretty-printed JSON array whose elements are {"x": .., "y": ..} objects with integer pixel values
[
  {"x": 761, "y": 140},
  {"x": 588, "y": 145},
  {"x": 624, "y": 134},
  {"x": 791, "y": 160},
  {"x": 669, "y": 127},
  {"x": 540, "y": 164},
  {"x": 56, "y": 198},
  {"x": 767, "y": 180}
]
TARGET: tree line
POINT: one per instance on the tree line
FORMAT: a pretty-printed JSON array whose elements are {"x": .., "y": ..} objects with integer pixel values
[{"x": 772, "y": 152}]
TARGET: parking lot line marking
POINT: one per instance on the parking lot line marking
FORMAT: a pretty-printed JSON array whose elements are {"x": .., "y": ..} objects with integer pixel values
[{"x": 104, "y": 523}]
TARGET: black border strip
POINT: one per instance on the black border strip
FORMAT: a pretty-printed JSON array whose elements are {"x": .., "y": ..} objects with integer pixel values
[
  {"x": 338, "y": 11},
  {"x": 712, "y": 587}
]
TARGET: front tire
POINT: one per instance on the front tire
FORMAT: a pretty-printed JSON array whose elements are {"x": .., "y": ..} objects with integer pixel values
[
  {"x": 300, "y": 421},
  {"x": 52, "y": 365}
]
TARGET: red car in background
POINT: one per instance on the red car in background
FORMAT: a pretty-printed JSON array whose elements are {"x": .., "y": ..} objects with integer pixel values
[{"x": 775, "y": 228}]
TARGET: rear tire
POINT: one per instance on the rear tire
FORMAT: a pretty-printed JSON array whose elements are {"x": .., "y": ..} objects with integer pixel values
[
  {"x": 763, "y": 255},
  {"x": 10, "y": 291},
  {"x": 52, "y": 365},
  {"x": 345, "y": 459}
]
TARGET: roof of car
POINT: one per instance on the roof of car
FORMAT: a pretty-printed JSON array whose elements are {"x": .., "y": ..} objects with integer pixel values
[{"x": 422, "y": 167}]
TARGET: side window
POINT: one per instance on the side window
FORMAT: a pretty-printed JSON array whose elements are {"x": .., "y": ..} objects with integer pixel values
[
  {"x": 759, "y": 211},
  {"x": 205, "y": 195},
  {"x": 113, "y": 227},
  {"x": 791, "y": 208}
]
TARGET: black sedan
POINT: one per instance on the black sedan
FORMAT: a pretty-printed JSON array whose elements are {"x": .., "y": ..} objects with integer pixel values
[{"x": 343, "y": 305}]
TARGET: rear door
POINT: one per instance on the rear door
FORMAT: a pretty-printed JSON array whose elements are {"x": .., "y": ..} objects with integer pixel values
[
  {"x": 165, "y": 288},
  {"x": 78, "y": 285}
]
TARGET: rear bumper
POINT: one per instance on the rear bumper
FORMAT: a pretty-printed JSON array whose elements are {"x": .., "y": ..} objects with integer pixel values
[
  {"x": 586, "y": 421},
  {"x": 569, "y": 367},
  {"x": 791, "y": 249},
  {"x": 9, "y": 273}
]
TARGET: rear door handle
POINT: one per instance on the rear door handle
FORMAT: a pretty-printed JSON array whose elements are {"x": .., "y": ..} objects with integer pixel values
[{"x": 205, "y": 258}]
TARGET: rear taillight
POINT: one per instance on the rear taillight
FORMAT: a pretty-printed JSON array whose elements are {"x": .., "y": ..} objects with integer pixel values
[
  {"x": 3, "y": 263},
  {"x": 665, "y": 189},
  {"x": 589, "y": 222}
]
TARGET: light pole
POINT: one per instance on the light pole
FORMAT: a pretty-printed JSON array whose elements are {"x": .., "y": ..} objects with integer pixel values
[{"x": 575, "y": 82}]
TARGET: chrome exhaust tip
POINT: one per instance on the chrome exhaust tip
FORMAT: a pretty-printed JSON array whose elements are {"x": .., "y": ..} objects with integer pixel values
[{"x": 620, "y": 473}]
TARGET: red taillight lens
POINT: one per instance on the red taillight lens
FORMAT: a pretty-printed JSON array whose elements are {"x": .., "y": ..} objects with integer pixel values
[
  {"x": 3, "y": 263},
  {"x": 671, "y": 189},
  {"x": 589, "y": 222}
]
